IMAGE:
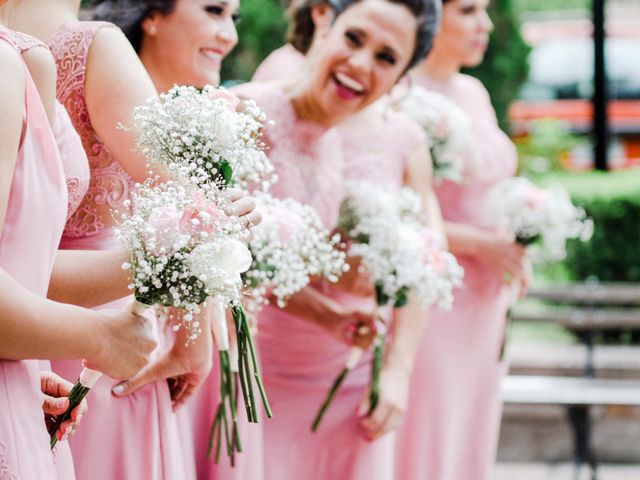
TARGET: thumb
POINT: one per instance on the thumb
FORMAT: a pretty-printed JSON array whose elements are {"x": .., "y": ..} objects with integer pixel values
[
  {"x": 55, "y": 406},
  {"x": 148, "y": 374}
]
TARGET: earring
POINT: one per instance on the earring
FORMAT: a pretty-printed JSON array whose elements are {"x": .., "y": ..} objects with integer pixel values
[{"x": 153, "y": 30}]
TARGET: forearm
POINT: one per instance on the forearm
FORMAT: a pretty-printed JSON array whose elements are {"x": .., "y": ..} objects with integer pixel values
[
  {"x": 312, "y": 306},
  {"x": 464, "y": 239},
  {"x": 409, "y": 326},
  {"x": 36, "y": 328},
  {"x": 89, "y": 278}
]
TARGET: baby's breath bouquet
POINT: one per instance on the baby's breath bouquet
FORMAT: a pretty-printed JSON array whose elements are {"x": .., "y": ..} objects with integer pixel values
[
  {"x": 205, "y": 135},
  {"x": 447, "y": 128},
  {"x": 185, "y": 251},
  {"x": 289, "y": 248},
  {"x": 541, "y": 219},
  {"x": 403, "y": 259}
]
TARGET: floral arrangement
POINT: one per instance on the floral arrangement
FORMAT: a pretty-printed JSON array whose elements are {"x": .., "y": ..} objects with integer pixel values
[
  {"x": 447, "y": 128},
  {"x": 205, "y": 135},
  {"x": 185, "y": 252},
  {"x": 402, "y": 257},
  {"x": 542, "y": 220},
  {"x": 289, "y": 247}
]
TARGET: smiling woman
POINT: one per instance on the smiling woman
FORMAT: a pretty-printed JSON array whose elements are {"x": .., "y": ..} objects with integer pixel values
[
  {"x": 179, "y": 41},
  {"x": 356, "y": 52}
]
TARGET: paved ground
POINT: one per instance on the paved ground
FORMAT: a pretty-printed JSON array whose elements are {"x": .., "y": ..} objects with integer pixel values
[{"x": 536, "y": 471}]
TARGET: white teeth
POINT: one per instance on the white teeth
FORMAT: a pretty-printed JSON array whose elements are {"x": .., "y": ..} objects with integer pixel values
[
  {"x": 349, "y": 82},
  {"x": 210, "y": 53}
]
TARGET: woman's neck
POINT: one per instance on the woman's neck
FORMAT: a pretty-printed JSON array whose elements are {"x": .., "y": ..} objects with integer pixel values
[
  {"x": 438, "y": 66},
  {"x": 29, "y": 17}
]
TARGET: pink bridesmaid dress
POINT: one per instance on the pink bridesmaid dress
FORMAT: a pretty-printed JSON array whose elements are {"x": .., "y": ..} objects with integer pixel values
[
  {"x": 280, "y": 63},
  {"x": 29, "y": 240},
  {"x": 76, "y": 168},
  {"x": 134, "y": 437},
  {"x": 452, "y": 423},
  {"x": 300, "y": 360}
]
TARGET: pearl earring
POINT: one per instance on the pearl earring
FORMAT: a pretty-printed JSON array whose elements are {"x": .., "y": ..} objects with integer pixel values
[{"x": 153, "y": 30}]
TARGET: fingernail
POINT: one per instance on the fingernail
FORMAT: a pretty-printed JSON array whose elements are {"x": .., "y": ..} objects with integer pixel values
[
  {"x": 61, "y": 402},
  {"x": 118, "y": 390}
]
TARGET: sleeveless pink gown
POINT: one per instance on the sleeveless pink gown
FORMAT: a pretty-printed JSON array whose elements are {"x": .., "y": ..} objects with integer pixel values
[
  {"x": 452, "y": 423},
  {"x": 300, "y": 360},
  {"x": 28, "y": 243},
  {"x": 135, "y": 437},
  {"x": 76, "y": 168},
  {"x": 280, "y": 63}
]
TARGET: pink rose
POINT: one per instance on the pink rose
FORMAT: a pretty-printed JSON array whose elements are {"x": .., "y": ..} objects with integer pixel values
[
  {"x": 221, "y": 93},
  {"x": 162, "y": 230},
  {"x": 199, "y": 217},
  {"x": 535, "y": 197}
]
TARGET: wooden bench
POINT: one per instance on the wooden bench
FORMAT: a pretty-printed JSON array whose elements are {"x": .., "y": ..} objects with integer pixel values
[{"x": 585, "y": 309}]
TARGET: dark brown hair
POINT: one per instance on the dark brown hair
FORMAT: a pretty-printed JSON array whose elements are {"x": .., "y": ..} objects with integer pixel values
[{"x": 427, "y": 13}]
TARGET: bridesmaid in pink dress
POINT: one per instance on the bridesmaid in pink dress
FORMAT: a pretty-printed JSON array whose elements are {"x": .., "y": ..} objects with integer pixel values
[
  {"x": 454, "y": 411},
  {"x": 33, "y": 202},
  {"x": 100, "y": 81},
  {"x": 169, "y": 39},
  {"x": 305, "y": 344}
]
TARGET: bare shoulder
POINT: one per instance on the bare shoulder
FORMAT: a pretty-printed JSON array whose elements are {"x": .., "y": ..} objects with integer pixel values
[
  {"x": 473, "y": 85},
  {"x": 42, "y": 69},
  {"x": 12, "y": 81}
]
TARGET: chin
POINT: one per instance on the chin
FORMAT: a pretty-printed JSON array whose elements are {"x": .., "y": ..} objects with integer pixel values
[{"x": 474, "y": 60}]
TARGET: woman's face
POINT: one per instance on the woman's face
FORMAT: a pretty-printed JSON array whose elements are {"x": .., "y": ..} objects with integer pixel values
[
  {"x": 361, "y": 56},
  {"x": 188, "y": 44},
  {"x": 464, "y": 32}
]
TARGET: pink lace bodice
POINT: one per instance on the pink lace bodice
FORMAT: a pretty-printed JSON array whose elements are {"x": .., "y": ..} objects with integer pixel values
[
  {"x": 109, "y": 185},
  {"x": 307, "y": 156},
  {"x": 492, "y": 155},
  {"x": 382, "y": 156},
  {"x": 74, "y": 159}
]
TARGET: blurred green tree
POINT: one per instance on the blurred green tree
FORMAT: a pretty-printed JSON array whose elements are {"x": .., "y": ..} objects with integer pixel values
[
  {"x": 505, "y": 67},
  {"x": 261, "y": 30}
]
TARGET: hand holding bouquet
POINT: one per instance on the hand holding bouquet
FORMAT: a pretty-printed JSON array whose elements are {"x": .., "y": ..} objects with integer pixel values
[{"x": 402, "y": 258}]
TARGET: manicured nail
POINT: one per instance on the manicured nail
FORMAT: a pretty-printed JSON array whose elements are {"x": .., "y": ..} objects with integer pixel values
[{"x": 118, "y": 389}]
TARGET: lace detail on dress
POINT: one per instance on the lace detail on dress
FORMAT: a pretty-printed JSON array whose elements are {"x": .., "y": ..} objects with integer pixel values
[
  {"x": 382, "y": 156},
  {"x": 24, "y": 42},
  {"x": 307, "y": 156},
  {"x": 5, "y": 471},
  {"x": 109, "y": 184}
]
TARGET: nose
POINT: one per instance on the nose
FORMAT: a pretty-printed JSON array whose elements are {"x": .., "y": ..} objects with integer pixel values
[
  {"x": 227, "y": 33},
  {"x": 485, "y": 22},
  {"x": 361, "y": 60}
]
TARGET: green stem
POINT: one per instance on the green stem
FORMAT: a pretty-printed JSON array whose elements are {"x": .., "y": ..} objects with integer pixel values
[
  {"x": 376, "y": 368},
  {"x": 329, "y": 398},
  {"x": 77, "y": 394}
]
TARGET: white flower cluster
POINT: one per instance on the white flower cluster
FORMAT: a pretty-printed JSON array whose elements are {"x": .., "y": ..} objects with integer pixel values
[
  {"x": 290, "y": 247},
  {"x": 447, "y": 128},
  {"x": 400, "y": 254},
  {"x": 184, "y": 249},
  {"x": 541, "y": 219},
  {"x": 205, "y": 135}
]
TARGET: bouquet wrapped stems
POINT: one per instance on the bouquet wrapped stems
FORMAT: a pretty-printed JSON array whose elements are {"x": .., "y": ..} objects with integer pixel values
[
  {"x": 85, "y": 383},
  {"x": 248, "y": 368},
  {"x": 226, "y": 412}
]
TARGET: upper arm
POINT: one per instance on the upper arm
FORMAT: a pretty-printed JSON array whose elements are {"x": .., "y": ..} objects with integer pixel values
[
  {"x": 12, "y": 91},
  {"x": 42, "y": 68},
  {"x": 116, "y": 83}
]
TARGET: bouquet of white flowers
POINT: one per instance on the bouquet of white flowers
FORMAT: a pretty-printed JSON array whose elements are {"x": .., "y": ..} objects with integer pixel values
[
  {"x": 542, "y": 220},
  {"x": 402, "y": 258},
  {"x": 185, "y": 251},
  {"x": 205, "y": 135},
  {"x": 447, "y": 128},
  {"x": 290, "y": 247}
]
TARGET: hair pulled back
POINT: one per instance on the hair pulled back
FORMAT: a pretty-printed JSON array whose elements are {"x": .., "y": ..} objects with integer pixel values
[
  {"x": 128, "y": 15},
  {"x": 427, "y": 13}
]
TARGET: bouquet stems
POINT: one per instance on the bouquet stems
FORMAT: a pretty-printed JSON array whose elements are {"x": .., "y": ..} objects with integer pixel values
[
  {"x": 226, "y": 412},
  {"x": 85, "y": 383},
  {"x": 248, "y": 368},
  {"x": 376, "y": 369},
  {"x": 354, "y": 357}
]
